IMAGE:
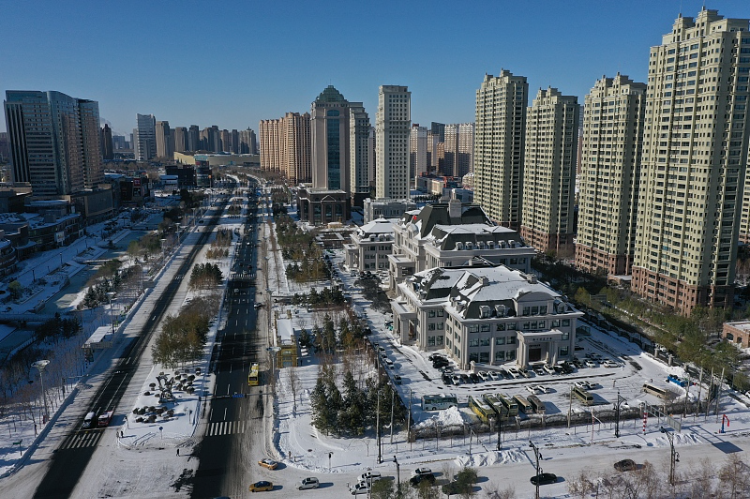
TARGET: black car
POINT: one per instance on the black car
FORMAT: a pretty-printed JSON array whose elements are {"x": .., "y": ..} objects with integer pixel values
[
  {"x": 625, "y": 465},
  {"x": 544, "y": 479},
  {"x": 447, "y": 379},
  {"x": 474, "y": 378},
  {"x": 438, "y": 363},
  {"x": 427, "y": 477}
]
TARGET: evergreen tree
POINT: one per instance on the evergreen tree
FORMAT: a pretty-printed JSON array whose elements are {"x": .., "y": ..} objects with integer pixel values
[{"x": 320, "y": 411}]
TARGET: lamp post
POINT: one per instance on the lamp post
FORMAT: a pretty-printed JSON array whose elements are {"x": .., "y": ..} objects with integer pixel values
[
  {"x": 40, "y": 365},
  {"x": 178, "y": 233},
  {"x": 162, "y": 249},
  {"x": 674, "y": 457},
  {"x": 538, "y": 455},
  {"x": 110, "y": 295},
  {"x": 437, "y": 437},
  {"x": 398, "y": 476},
  {"x": 377, "y": 429}
]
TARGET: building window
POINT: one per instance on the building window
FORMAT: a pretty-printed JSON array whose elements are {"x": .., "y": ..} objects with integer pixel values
[
  {"x": 542, "y": 324},
  {"x": 474, "y": 328},
  {"x": 511, "y": 326},
  {"x": 500, "y": 327},
  {"x": 484, "y": 342},
  {"x": 431, "y": 327},
  {"x": 566, "y": 322},
  {"x": 474, "y": 357},
  {"x": 439, "y": 340},
  {"x": 440, "y": 326},
  {"x": 431, "y": 314},
  {"x": 500, "y": 340},
  {"x": 511, "y": 340},
  {"x": 525, "y": 326},
  {"x": 430, "y": 341},
  {"x": 526, "y": 310},
  {"x": 484, "y": 357},
  {"x": 563, "y": 351},
  {"x": 499, "y": 356},
  {"x": 485, "y": 328},
  {"x": 511, "y": 355},
  {"x": 556, "y": 323},
  {"x": 474, "y": 343},
  {"x": 440, "y": 313}
]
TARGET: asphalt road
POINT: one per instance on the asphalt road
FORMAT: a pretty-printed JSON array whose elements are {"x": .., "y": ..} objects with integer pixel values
[
  {"x": 73, "y": 455},
  {"x": 235, "y": 411}
]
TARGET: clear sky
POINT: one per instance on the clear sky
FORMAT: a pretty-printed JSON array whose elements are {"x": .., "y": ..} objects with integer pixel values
[{"x": 233, "y": 63}]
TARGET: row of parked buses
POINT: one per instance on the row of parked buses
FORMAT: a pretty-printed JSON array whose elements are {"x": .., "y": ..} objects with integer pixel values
[{"x": 489, "y": 406}]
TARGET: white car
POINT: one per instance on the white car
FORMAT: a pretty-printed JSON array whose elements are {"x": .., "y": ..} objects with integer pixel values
[
  {"x": 590, "y": 363},
  {"x": 493, "y": 376},
  {"x": 548, "y": 369},
  {"x": 309, "y": 483},
  {"x": 610, "y": 363},
  {"x": 484, "y": 375},
  {"x": 583, "y": 385},
  {"x": 531, "y": 389},
  {"x": 514, "y": 372},
  {"x": 361, "y": 488},
  {"x": 542, "y": 389}
]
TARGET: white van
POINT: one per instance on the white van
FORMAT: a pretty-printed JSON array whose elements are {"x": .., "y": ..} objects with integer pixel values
[
  {"x": 369, "y": 477},
  {"x": 89, "y": 419}
]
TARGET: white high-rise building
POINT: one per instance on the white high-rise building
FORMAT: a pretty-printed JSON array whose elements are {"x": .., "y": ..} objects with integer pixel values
[
  {"x": 360, "y": 154},
  {"x": 695, "y": 154},
  {"x": 500, "y": 131},
  {"x": 392, "y": 127},
  {"x": 145, "y": 137}
]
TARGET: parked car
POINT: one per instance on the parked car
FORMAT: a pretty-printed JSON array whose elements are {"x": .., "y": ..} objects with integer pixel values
[
  {"x": 474, "y": 377},
  {"x": 515, "y": 373},
  {"x": 610, "y": 363},
  {"x": 590, "y": 363},
  {"x": 261, "y": 486},
  {"x": 426, "y": 477},
  {"x": 484, "y": 375},
  {"x": 421, "y": 471},
  {"x": 309, "y": 483},
  {"x": 494, "y": 376},
  {"x": 456, "y": 379},
  {"x": 525, "y": 373},
  {"x": 539, "y": 371},
  {"x": 268, "y": 463},
  {"x": 626, "y": 465},
  {"x": 583, "y": 385},
  {"x": 369, "y": 477},
  {"x": 542, "y": 389},
  {"x": 543, "y": 479},
  {"x": 531, "y": 389},
  {"x": 447, "y": 379},
  {"x": 549, "y": 369},
  {"x": 397, "y": 379},
  {"x": 360, "y": 488}
]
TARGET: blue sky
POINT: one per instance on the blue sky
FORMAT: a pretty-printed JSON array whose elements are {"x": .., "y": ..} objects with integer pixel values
[{"x": 233, "y": 63}]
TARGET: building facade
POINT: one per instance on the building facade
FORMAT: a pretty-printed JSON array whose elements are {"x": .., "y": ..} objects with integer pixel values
[
  {"x": 486, "y": 316},
  {"x": 286, "y": 148},
  {"x": 417, "y": 151},
  {"x": 694, "y": 163},
  {"x": 55, "y": 141},
  {"x": 500, "y": 129},
  {"x": 248, "y": 142},
  {"x": 180, "y": 134},
  {"x": 164, "y": 140},
  {"x": 360, "y": 153},
  {"x": 610, "y": 162},
  {"x": 107, "y": 144},
  {"x": 145, "y": 137},
  {"x": 549, "y": 172},
  {"x": 370, "y": 246},
  {"x": 330, "y": 131},
  {"x": 392, "y": 128}
]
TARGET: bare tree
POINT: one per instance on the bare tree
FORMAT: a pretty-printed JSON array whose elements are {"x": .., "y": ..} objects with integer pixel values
[
  {"x": 294, "y": 386},
  {"x": 493, "y": 492},
  {"x": 734, "y": 477},
  {"x": 581, "y": 485}
]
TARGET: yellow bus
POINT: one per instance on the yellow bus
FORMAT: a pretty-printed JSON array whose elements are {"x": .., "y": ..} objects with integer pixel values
[
  {"x": 523, "y": 404},
  {"x": 496, "y": 405},
  {"x": 583, "y": 396},
  {"x": 509, "y": 403},
  {"x": 483, "y": 411},
  {"x": 253, "y": 379},
  {"x": 536, "y": 404},
  {"x": 662, "y": 393}
]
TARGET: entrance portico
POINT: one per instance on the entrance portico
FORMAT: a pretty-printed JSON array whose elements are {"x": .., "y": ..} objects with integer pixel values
[{"x": 539, "y": 346}]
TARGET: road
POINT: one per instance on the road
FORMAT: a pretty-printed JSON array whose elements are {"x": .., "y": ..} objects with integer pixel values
[
  {"x": 234, "y": 426},
  {"x": 73, "y": 455}
]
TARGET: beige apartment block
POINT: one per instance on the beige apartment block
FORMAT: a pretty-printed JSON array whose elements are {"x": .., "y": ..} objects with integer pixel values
[
  {"x": 549, "y": 172},
  {"x": 392, "y": 129},
  {"x": 695, "y": 148},
  {"x": 285, "y": 146},
  {"x": 500, "y": 129},
  {"x": 609, "y": 175}
]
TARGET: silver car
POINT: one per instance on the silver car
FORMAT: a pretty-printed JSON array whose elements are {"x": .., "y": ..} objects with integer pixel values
[{"x": 309, "y": 483}]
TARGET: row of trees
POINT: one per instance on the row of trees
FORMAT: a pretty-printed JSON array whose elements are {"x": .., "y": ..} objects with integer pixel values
[
  {"x": 326, "y": 296},
  {"x": 183, "y": 336},
  {"x": 149, "y": 244},
  {"x": 205, "y": 275},
  {"x": 350, "y": 413},
  {"x": 58, "y": 328},
  {"x": 326, "y": 339}
]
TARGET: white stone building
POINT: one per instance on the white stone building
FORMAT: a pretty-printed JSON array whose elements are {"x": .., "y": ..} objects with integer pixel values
[
  {"x": 486, "y": 316},
  {"x": 371, "y": 244}
]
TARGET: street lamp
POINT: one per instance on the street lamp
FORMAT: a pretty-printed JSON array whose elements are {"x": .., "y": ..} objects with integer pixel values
[
  {"x": 538, "y": 456},
  {"x": 178, "y": 233},
  {"x": 398, "y": 476},
  {"x": 674, "y": 457},
  {"x": 437, "y": 436},
  {"x": 162, "y": 249},
  {"x": 40, "y": 365},
  {"x": 110, "y": 295}
]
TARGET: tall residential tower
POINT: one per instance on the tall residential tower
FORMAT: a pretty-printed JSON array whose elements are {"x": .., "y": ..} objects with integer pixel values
[{"x": 392, "y": 128}]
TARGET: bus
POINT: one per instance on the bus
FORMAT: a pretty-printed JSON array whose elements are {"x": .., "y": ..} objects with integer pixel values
[
  {"x": 662, "y": 393},
  {"x": 253, "y": 379},
  {"x": 483, "y": 411},
  {"x": 438, "y": 402},
  {"x": 510, "y": 405},
  {"x": 104, "y": 419},
  {"x": 536, "y": 404},
  {"x": 583, "y": 396},
  {"x": 496, "y": 405},
  {"x": 523, "y": 404}
]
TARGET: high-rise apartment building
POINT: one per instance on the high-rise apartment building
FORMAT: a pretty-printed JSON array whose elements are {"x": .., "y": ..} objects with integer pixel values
[
  {"x": 145, "y": 137},
  {"x": 360, "y": 153},
  {"x": 330, "y": 140},
  {"x": 180, "y": 134},
  {"x": 549, "y": 172},
  {"x": 4, "y": 147},
  {"x": 392, "y": 127},
  {"x": 613, "y": 118},
  {"x": 248, "y": 143},
  {"x": 500, "y": 130},
  {"x": 55, "y": 141},
  {"x": 450, "y": 150},
  {"x": 458, "y": 149},
  {"x": 417, "y": 151},
  {"x": 438, "y": 129},
  {"x": 226, "y": 141},
  {"x": 695, "y": 152},
  {"x": 193, "y": 138},
  {"x": 433, "y": 154},
  {"x": 164, "y": 147},
  {"x": 107, "y": 145},
  {"x": 285, "y": 146}
]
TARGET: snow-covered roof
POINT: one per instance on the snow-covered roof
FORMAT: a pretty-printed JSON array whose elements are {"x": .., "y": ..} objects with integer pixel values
[
  {"x": 378, "y": 226},
  {"x": 285, "y": 331}
]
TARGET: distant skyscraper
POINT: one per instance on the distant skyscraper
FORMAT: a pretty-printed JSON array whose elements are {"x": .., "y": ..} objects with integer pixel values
[
  {"x": 164, "y": 140},
  {"x": 145, "y": 137},
  {"x": 248, "y": 142},
  {"x": 360, "y": 153},
  {"x": 330, "y": 138},
  {"x": 438, "y": 129},
  {"x": 4, "y": 147},
  {"x": 226, "y": 141},
  {"x": 433, "y": 154},
  {"x": 549, "y": 172},
  {"x": 119, "y": 142},
  {"x": 180, "y": 134},
  {"x": 107, "y": 145},
  {"x": 285, "y": 146},
  {"x": 234, "y": 135},
  {"x": 193, "y": 138},
  {"x": 417, "y": 151},
  {"x": 695, "y": 153},
  {"x": 500, "y": 130},
  {"x": 465, "y": 154},
  {"x": 450, "y": 150},
  {"x": 392, "y": 127},
  {"x": 609, "y": 179},
  {"x": 55, "y": 141}
]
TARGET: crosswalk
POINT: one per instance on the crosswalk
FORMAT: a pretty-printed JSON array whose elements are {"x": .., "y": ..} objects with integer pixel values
[
  {"x": 82, "y": 439},
  {"x": 225, "y": 428}
]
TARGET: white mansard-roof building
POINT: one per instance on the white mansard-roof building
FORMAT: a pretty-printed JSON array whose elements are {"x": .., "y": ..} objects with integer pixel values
[
  {"x": 370, "y": 246},
  {"x": 486, "y": 315}
]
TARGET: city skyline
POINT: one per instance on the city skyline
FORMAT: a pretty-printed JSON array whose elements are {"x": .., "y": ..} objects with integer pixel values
[{"x": 101, "y": 55}]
